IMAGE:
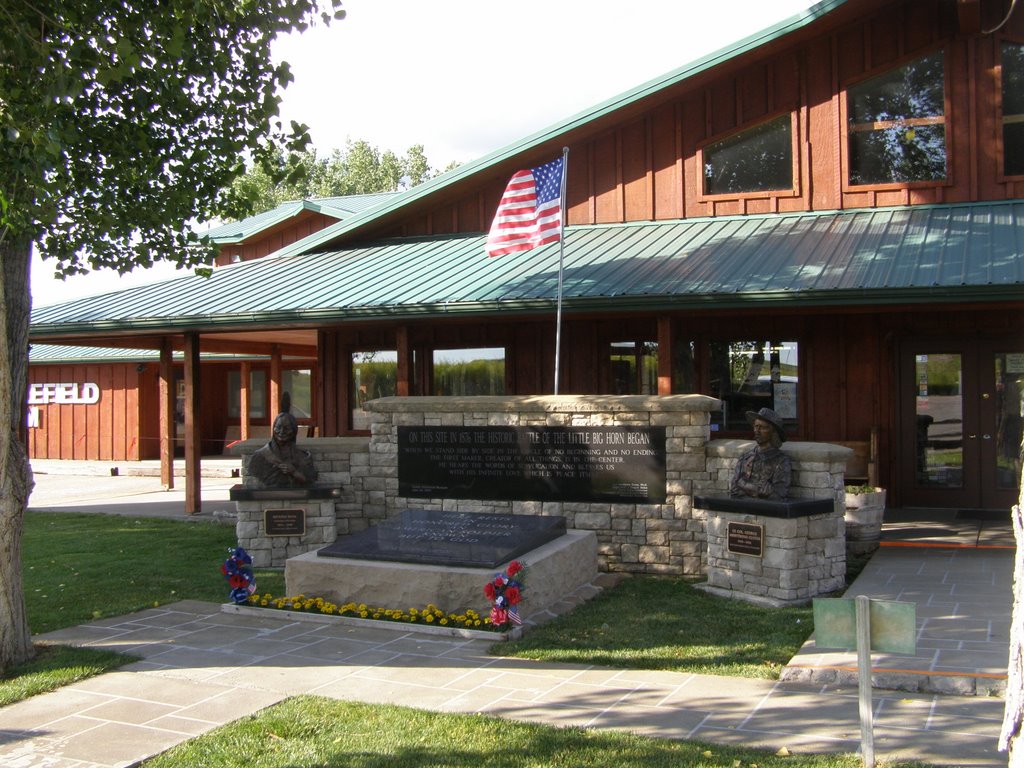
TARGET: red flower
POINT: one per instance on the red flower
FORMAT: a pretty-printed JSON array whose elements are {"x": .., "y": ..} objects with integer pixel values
[
  {"x": 237, "y": 581},
  {"x": 489, "y": 592},
  {"x": 513, "y": 595},
  {"x": 224, "y": 568},
  {"x": 499, "y": 581},
  {"x": 514, "y": 567},
  {"x": 499, "y": 616}
]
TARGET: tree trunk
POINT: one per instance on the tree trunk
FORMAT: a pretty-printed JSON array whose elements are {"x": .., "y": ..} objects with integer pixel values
[
  {"x": 1013, "y": 711},
  {"x": 15, "y": 473}
]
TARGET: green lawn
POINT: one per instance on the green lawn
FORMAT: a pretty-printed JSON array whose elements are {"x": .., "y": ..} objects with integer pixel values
[
  {"x": 648, "y": 622},
  {"x": 80, "y": 567}
]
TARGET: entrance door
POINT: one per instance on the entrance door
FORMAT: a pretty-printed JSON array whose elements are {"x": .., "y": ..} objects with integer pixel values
[{"x": 961, "y": 424}]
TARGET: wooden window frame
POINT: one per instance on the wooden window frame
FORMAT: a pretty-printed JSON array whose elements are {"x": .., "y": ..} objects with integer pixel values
[
  {"x": 845, "y": 131},
  {"x": 1001, "y": 175},
  {"x": 765, "y": 194}
]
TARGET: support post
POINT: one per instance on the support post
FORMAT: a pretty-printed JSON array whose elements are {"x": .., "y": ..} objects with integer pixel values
[
  {"x": 167, "y": 424},
  {"x": 867, "y": 735},
  {"x": 243, "y": 401},
  {"x": 193, "y": 438},
  {"x": 665, "y": 356},
  {"x": 403, "y": 383},
  {"x": 275, "y": 382}
]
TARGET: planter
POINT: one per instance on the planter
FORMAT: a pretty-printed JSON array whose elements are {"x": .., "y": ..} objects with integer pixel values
[{"x": 864, "y": 515}]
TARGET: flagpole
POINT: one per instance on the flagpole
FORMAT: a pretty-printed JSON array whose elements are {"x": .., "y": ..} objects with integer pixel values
[{"x": 561, "y": 261}]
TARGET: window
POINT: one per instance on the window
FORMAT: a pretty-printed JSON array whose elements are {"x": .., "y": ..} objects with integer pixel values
[
  {"x": 634, "y": 367},
  {"x": 257, "y": 394},
  {"x": 298, "y": 384},
  {"x": 469, "y": 371},
  {"x": 751, "y": 375},
  {"x": 374, "y": 374},
  {"x": 1013, "y": 109},
  {"x": 896, "y": 125},
  {"x": 758, "y": 159}
]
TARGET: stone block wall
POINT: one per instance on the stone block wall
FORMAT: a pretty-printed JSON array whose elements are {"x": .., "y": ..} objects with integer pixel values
[{"x": 666, "y": 538}]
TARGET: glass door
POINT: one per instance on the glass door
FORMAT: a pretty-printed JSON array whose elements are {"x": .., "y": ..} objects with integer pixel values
[{"x": 961, "y": 425}]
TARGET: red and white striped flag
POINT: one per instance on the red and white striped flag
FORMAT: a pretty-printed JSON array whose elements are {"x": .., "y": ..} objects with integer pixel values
[{"x": 530, "y": 212}]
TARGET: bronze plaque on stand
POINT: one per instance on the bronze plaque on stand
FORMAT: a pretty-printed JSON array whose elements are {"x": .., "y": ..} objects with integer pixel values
[
  {"x": 284, "y": 522},
  {"x": 746, "y": 539}
]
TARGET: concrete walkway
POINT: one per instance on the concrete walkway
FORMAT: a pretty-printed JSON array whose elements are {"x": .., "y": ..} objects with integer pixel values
[{"x": 202, "y": 667}]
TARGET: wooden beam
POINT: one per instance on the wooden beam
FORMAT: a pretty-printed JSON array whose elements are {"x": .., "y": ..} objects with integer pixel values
[
  {"x": 167, "y": 423},
  {"x": 193, "y": 436}
]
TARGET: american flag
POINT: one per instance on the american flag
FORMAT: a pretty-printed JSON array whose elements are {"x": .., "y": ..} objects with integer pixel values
[{"x": 530, "y": 211}]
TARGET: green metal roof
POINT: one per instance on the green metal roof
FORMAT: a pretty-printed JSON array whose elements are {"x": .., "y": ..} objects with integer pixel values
[
  {"x": 54, "y": 354},
  {"x": 339, "y": 207},
  {"x": 554, "y": 133},
  {"x": 940, "y": 253}
]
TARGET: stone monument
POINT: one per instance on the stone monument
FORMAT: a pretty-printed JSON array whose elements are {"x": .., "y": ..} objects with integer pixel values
[{"x": 764, "y": 547}]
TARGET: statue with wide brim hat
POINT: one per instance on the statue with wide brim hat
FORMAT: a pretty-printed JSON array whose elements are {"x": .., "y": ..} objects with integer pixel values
[
  {"x": 763, "y": 472},
  {"x": 767, "y": 414}
]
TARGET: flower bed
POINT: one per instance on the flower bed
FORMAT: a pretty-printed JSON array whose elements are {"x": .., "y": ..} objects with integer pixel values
[{"x": 448, "y": 629}]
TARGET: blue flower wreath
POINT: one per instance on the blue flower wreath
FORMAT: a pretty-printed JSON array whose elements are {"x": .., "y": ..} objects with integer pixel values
[{"x": 237, "y": 569}]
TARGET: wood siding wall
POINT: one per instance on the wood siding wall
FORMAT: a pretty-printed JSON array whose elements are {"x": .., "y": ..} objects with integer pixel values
[
  {"x": 647, "y": 166},
  {"x": 275, "y": 239}
]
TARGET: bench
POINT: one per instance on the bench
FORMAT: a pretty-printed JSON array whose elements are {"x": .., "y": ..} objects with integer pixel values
[{"x": 862, "y": 467}]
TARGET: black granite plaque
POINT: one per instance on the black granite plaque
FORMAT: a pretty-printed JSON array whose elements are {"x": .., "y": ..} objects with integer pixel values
[
  {"x": 284, "y": 522},
  {"x": 470, "y": 539},
  {"x": 745, "y": 539},
  {"x": 595, "y": 464}
]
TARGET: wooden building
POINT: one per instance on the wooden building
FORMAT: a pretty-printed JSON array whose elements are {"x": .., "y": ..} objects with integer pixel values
[{"x": 826, "y": 218}]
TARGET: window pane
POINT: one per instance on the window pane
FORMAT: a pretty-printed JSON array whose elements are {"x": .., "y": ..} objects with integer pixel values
[
  {"x": 634, "y": 367},
  {"x": 940, "y": 421},
  {"x": 896, "y": 125},
  {"x": 257, "y": 394},
  {"x": 469, "y": 371},
  {"x": 755, "y": 160},
  {"x": 373, "y": 375},
  {"x": 751, "y": 375},
  {"x": 298, "y": 383},
  {"x": 1013, "y": 109}
]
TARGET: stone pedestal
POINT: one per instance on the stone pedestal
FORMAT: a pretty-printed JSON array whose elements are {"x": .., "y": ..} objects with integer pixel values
[
  {"x": 774, "y": 553},
  {"x": 555, "y": 570},
  {"x": 277, "y": 523}
]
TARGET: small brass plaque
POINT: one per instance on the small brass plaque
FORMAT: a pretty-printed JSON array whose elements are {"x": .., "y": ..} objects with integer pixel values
[
  {"x": 745, "y": 539},
  {"x": 284, "y": 522},
  {"x": 893, "y": 624}
]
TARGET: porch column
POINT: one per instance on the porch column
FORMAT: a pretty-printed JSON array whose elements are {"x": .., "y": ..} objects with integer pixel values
[
  {"x": 193, "y": 441},
  {"x": 403, "y": 385},
  {"x": 665, "y": 341},
  {"x": 275, "y": 382},
  {"x": 243, "y": 416},
  {"x": 167, "y": 398}
]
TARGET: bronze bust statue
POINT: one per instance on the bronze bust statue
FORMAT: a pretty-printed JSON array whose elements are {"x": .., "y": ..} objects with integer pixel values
[
  {"x": 281, "y": 462},
  {"x": 763, "y": 472}
]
